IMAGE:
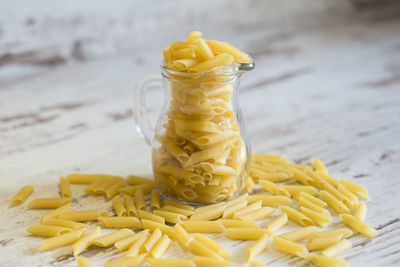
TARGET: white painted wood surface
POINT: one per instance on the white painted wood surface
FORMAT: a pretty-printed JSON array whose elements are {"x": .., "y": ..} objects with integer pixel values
[{"x": 332, "y": 93}]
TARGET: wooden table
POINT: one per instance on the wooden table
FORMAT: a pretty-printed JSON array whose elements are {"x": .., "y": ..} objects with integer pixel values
[{"x": 332, "y": 93}]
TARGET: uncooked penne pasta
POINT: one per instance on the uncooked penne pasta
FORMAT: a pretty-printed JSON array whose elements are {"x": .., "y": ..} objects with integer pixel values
[
  {"x": 355, "y": 188},
  {"x": 231, "y": 223},
  {"x": 290, "y": 247},
  {"x": 135, "y": 180},
  {"x": 119, "y": 206},
  {"x": 80, "y": 178},
  {"x": 151, "y": 216},
  {"x": 61, "y": 240},
  {"x": 47, "y": 230},
  {"x": 333, "y": 202},
  {"x": 208, "y": 214},
  {"x": 165, "y": 229},
  {"x": 212, "y": 245},
  {"x": 228, "y": 211},
  {"x": 310, "y": 205},
  {"x": 203, "y": 226},
  {"x": 245, "y": 233},
  {"x": 345, "y": 232},
  {"x": 170, "y": 262},
  {"x": 358, "y": 225},
  {"x": 318, "y": 165},
  {"x": 151, "y": 241},
  {"x": 83, "y": 262},
  {"x": 83, "y": 216},
  {"x": 187, "y": 213},
  {"x": 253, "y": 206},
  {"x": 360, "y": 211},
  {"x": 311, "y": 198},
  {"x": 65, "y": 187},
  {"x": 114, "y": 189},
  {"x": 321, "y": 219},
  {"x": 277, "y": 223},
  {"x": 131, "y": 190},
  {"x": 324, "y": 261},
  {"x": 336, "y": 248},
  {"x": 256, "y": 215},
  {"x": 161, "y": 246},
  {"x": 168, "y": 202},
  {"x": 140, "y": 202},
  {"x": 136, "y": 246},
  {"x": 22, "y": 194},
  {"x": 296, "y": 216},
  {"x": 111, "y": 238},
  {"x": 130, "y": 207},
  {"x": 268, "y": 200},
  {"x": 249, "y": 185},
  {"x": 320, "y": 243},
  {"x": 125, "y": 243},
  {"x": 119, "y": 222},
  {"x": 170, "y": 217},
  {"x": 181, "y": 235},
  {"x": 55, "y": 213},
  {"x": 65, "y": 223},
  {"x": 200, "y": 249},
  {"x": 255, "y": 264},
  {"x": 202, "y": 261},
  {"x": 127, "y": 261},
  {"x": 84, "y": 242},
  {"x": 273, "y": 188},
  {"x": 48, "y": 203},
  {"x": 256, "y": 248},
  {"x": 300, "y": 234},
  {"x": 297, "y": 189},
  {"x": 155, "y": 199},
  {"x": 270, "y": 176}
]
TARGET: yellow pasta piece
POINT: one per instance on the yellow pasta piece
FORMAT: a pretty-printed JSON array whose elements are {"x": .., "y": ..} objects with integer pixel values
[
  {"x": 300, "y": 176},
  {"x": 321, "y": 219},
  {"x": 228, "y": 211},
  {"x": 268, "y": 200},
  {"x": 127, "y": 261},
  {"x": 48, "y": 203},
  {"x": 208, "y": 214},
  {"x": 199, "y": 248},
  {"x": 277, "y": 223},
  {"x": 136, "y": 180},
  {"x": 245, "y": 233},
  {"x": 170, "y": 262},
  {"x": 83, "y": 262},
  {"x": 355, "y": 188},
  {"x": 253, "y": 206},
  {"x": 358, "y": 225},
  {"x": 151, "y": 241},
  {"x": 256, "y": 248},
  {"x": 310, "y": 198},
  {"x": 165, "y": 229},
  {"x": 181, "y": 235},
  {"x": 360, "y": 211},
  {"x": 22, "y": 194},
  {"x": 269, "y": 176},
  {"x": 119, "y": 222},
  {"x": 333, "y": 202},
  {"x": 255, "y": 264},
  {"x": 65, "y": 223},
  {"x": 184, "y": 53},
  {"x": 55, "y": 213},
  {"x": 223, "y": 47},
  {"x": 290, "y": 247},
  {"x": 161, "y": 246},
  {"x": 111, "y": 238},
  {"x": 300, "y": 234},
  {"x": 231, "y": 223},
  {"x": 130, "y": 206},
  {"x": 65, "y": 187},
  {"x": 151, "y": 216},
  {"x": 324, "y": 261},
  {"x": 297, "y": 189},
  {"x": 135, "y": 247},
  {"x": 345, "y": 232},
  {"x": 332, "y": 181},
  {"x": 334, "y": 192},
  {"x": 197, "y": 125},
  {"x": 139, "y": 199},
  {"x": 202, "y": 261},
  {"x": 82, "y": 216},
  {"x": 109, "y": 183},
  {"x": 212, "y": 63},
  {"x": 47, "y": 230},
  {"x": 119, "y": 206},
  {"x": 61, "y": 240},
  {"x": 296, "y": 216},
  {"x": 114, "y": 189},
  {"x": 236, "y": 200},
  {"x": 336, "y": 248},
  {"x": 353, "y": 199},
  {"x": 131, "y": 190},
  {"x": 80, "y": 178},
  {"x": 187, "y": 213},
  {"x": 310, "y": 205},
  {"x": 193, "y": 37},
  {"x": 170, "y": 217},
  {"x": 208, "y": 242},
  {"x": 84, "y": 242},
  {"x": 167, "y": 54},
  {"x": 320, "y": 243},
  {"x": 203, "y": 226},
  {"x": 257, "y": 214},
  {"x": 125, "y": 243},
  {"x": 273, "y": 188},
  {"x": 318, "y": 165},
  {"x": 155, "y": 199},
  {"x": 204, "y": 50}
]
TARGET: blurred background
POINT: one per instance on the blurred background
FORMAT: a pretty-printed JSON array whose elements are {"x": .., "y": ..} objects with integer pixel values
[{"x": 47, "y": 33}]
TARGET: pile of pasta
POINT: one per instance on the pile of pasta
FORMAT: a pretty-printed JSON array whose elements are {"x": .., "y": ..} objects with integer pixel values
[
  {"x": 279, "y": 191},
  {"x": 199, "y": 155}
]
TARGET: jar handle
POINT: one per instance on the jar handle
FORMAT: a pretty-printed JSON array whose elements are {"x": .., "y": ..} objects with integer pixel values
[{"x": 139, "y": 109}]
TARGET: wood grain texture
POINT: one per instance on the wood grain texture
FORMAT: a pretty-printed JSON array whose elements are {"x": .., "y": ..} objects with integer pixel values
[{"x": 336, "y": 97}]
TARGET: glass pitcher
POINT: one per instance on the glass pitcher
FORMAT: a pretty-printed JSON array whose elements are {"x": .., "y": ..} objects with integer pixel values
[{"x": 200, "y": 151}]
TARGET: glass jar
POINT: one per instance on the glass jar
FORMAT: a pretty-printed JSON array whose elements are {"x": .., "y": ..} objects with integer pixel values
[{"x": 200, "y": 151}]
